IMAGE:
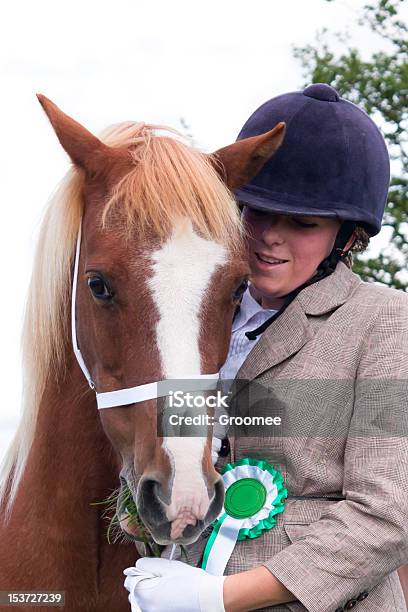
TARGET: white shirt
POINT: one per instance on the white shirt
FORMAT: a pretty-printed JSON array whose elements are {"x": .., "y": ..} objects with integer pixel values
[{"x": 250, "y": 316}]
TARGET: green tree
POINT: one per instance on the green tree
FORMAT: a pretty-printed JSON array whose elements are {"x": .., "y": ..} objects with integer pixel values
[{"x": 378, "y": 84}]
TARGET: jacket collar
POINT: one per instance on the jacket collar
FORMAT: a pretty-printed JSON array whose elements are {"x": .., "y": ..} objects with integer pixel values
[
  {"x": 291, "y": 330},
  {"x": 329, "y": 293}
]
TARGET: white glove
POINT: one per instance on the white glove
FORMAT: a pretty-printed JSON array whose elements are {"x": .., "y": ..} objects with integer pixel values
[{"x": 160, "y": 585}]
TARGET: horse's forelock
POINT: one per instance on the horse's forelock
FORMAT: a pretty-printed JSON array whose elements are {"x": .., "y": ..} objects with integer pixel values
[{"x": 170, "y": 180}]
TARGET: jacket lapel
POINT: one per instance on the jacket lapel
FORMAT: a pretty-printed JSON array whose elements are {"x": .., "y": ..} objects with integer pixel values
[
  {"x": 291, "y": 330},
  {"x": 285, "y": 336}
]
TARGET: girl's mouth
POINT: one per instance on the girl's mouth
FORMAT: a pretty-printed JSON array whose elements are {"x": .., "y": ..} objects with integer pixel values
[{"x": 269, "y": 262}]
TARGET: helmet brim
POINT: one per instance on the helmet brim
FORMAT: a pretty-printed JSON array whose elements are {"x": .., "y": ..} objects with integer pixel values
[{"x": 266, "y": 202}]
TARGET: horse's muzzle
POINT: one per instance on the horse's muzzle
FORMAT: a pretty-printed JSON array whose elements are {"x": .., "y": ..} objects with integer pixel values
[{"x": 187, "y": 524}]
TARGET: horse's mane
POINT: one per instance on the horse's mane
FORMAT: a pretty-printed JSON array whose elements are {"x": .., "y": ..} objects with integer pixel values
[{"x": 169, "y": 180}]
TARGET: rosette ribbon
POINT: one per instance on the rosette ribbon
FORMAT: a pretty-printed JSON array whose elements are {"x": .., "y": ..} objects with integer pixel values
[{"x": 254, "y": 495}]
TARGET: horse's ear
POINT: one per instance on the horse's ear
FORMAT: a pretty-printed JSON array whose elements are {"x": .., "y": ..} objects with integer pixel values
[
  {"x": 239, "y": 162},
  {"x": 84, "y": 149}
]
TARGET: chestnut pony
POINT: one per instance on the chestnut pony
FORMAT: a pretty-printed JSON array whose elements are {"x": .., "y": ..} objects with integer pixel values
[{"x": 159, "y": 265}]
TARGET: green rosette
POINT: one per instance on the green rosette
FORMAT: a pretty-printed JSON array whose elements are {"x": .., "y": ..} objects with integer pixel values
[{"x": 254, "y": 496}]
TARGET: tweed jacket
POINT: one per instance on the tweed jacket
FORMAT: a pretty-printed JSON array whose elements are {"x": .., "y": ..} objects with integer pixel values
[{"x": 335, "y": 366}]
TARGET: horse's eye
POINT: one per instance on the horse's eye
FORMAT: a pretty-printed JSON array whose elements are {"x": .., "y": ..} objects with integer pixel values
[
  {"x": 240, "y": 290},
  {"x": 99, "y": 288}
]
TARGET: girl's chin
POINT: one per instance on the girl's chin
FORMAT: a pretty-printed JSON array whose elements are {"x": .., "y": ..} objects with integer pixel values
[
  {"x": 264, "y": 286},
  {"x": 267, "y": 296}
]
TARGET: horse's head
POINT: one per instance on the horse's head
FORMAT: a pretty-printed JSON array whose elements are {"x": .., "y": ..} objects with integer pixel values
[{"x": 160, "y": 268}]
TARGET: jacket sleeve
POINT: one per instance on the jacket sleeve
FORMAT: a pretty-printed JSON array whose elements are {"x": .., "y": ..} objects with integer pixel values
[{"x": 362, "y": 539}]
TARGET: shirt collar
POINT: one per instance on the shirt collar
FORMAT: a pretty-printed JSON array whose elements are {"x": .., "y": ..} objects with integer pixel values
[{"x": 249, "y": 308}]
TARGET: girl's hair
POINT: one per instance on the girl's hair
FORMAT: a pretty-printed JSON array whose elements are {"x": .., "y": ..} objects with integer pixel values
[{"x": 360, "y": 244}]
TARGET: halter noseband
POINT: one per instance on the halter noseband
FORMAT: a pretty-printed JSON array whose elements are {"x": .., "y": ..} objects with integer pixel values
[{"x": 140, "y": 393}]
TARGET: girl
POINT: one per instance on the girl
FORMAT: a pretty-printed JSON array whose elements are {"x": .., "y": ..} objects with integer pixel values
[{"x": 333, "y": 352}]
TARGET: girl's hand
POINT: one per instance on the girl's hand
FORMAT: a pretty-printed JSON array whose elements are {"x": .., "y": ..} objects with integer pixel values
[{"x": 160, "y": 585}]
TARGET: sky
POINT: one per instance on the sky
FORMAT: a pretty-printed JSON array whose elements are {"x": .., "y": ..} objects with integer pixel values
[{"x": 211, "y": 63}]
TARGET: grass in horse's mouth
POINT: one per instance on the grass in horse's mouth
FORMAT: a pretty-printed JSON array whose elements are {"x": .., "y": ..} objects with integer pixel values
[{"x": 121, "y": 500}]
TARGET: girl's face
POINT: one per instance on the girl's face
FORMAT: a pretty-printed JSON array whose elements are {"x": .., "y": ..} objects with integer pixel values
[{"x": 284, "y": 252}]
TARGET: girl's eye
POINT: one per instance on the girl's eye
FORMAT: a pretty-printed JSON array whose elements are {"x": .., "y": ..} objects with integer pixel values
[
  {"x": 240, "y": 290},
  {"x": 99, "y": 288},
  {"x": 303, "y": 223}
]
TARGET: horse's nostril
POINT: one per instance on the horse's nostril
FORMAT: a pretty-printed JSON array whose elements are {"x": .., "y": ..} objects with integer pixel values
[
  {"x": 155, "y": 489},
  {"x": 150, "y": 500},
  {"x": 159, "y": 493},
  {"x": 219, "y": 491},
  {"x": 216, "y": 502}
]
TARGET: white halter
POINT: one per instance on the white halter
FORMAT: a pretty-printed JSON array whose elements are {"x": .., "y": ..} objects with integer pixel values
[{"x": 123, "y": 397}]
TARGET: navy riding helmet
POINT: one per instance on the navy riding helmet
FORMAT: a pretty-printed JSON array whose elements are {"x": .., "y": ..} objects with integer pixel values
[{"x": 333, "y": 162}]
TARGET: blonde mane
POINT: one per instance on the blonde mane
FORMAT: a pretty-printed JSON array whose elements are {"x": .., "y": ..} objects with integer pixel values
[{"x": 169, "y": 180}]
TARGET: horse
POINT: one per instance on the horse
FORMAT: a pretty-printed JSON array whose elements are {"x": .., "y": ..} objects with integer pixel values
[{"x": 140, "y": 261}]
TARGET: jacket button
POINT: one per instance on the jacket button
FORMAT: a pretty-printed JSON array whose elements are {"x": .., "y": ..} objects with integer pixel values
[
  {"x": 362, "y": 596},
  {"x": 225, "y": 448},
  {"x": 350, "y": 604}
]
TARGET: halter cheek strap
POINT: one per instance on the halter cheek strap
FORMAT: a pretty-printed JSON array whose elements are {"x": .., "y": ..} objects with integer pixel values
[
  {"x": 140, "y": 393},
  {"x": 75, "y": 346}
]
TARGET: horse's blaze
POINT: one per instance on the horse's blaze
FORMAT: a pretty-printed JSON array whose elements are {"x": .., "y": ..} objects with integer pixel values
[{"x": 183, "y": 269}]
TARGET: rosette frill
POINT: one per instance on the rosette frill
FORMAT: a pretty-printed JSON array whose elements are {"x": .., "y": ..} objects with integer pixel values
[{"x": 254, "y": 495}]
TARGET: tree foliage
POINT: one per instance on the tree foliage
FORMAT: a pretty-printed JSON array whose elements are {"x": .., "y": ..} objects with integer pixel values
[{"x": 378, "y": 84}]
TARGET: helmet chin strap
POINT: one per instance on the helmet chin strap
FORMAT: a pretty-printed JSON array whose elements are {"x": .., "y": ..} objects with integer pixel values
[
  {"x": 325, "y": 268},
  {"x": 328, "y": 265},
  {"x": 140, "y": 393}
]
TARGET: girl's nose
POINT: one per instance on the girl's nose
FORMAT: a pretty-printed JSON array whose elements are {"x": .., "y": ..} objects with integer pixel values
[{"x": 272, "y": 231}]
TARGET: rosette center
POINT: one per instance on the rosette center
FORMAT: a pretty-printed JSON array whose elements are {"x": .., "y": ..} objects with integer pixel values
[{"x": 245, "y": 497}]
